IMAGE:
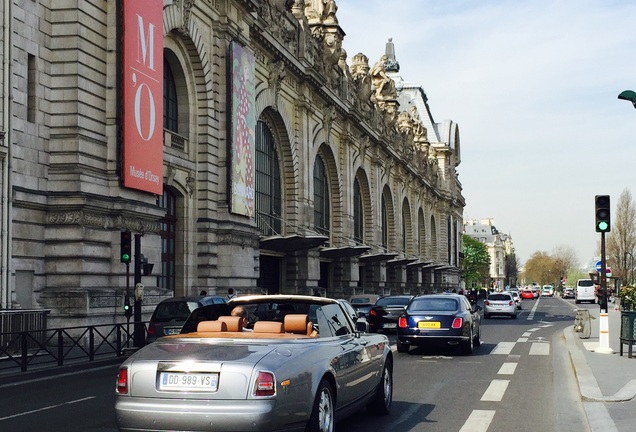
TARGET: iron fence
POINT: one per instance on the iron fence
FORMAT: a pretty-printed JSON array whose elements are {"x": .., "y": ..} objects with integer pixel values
[{"x": 27, "y": 349}]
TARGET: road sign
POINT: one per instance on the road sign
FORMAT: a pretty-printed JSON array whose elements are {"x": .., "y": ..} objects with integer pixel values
[{"x": 598, "y": 266}]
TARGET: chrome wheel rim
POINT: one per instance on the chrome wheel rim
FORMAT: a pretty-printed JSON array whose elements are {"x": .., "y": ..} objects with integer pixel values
[
  {"x": 325, "y": 412},
  {"x": 388, "y": 387}
]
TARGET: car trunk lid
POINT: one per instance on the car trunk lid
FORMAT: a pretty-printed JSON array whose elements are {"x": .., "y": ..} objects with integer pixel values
[{"x": 184, "y": 369}]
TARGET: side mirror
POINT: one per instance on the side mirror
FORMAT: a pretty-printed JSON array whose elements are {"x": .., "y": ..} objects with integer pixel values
[{"x": 362, "y": 326}]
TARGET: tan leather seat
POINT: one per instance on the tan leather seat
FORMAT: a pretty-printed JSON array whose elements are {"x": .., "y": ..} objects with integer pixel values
[
  {"x": 296, "y": 323},
  {"x": 233, "y": 323},
  {"x": 268, "y": 327},
  {"x": 211, "y": 326}
]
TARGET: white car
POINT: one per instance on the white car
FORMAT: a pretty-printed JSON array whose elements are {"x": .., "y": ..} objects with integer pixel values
[
  {"x": 517, "y": 297},
  {"x": 500, "y": 303}
]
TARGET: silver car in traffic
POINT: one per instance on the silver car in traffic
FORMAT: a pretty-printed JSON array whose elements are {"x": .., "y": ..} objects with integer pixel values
[
  {"x": 298, "y": 363},
  {"x": 500, "y": 303}
]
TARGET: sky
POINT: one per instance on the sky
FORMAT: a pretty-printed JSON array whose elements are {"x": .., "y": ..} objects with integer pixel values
[{"x": 533, "y": 86}]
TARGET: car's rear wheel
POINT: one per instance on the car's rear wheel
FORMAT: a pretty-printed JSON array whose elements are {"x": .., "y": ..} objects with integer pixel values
[
  {"x": 322, "y": 415},
  {"x": 381, "y": 403},
  {"x": 477, "y": 340},
  {"x": 467, "y": 346}
]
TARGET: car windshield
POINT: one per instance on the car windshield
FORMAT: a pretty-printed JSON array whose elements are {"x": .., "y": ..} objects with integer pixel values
[
  {"x": 393, "y": 301},
  {"x": 433, "y": 304},
  {"x": 499, "y": 297},
  {"x": 178, "y": 310}
]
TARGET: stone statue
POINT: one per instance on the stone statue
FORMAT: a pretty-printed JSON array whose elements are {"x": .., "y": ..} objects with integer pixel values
[{"x": 383, "y": 85}]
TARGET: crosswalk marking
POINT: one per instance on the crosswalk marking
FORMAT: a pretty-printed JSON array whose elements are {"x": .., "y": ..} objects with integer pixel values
[
  {"x": 478, "y": 421},
  {"x": 503, "y": 348},
  {"x": 495, "y": 391},
  {"x": 507, "y": 369}
]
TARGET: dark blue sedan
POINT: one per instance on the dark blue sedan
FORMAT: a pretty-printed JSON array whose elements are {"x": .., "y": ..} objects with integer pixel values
[{"x": 447, "y": 319}]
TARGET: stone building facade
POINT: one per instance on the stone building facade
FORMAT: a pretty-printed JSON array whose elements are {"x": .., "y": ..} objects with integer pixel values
[{"x": 355, "y": 185}]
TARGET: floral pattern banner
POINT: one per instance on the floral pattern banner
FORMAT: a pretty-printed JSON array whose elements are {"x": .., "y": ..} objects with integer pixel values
[{"x": 243, "y": 124}]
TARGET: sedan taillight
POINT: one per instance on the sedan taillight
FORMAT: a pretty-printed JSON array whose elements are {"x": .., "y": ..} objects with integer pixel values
[
  {"x": 457, "y": 323},
  {"x": 510, "y": 303},
  {"x": 265, "y": 384},
  {"x": 151, "y": 327},
  {"x": 373, "y": 312},
  {"x": 487, "y": 303},
  {"x": 122, "y": 381},
  {"x": 402, "y": 322}
]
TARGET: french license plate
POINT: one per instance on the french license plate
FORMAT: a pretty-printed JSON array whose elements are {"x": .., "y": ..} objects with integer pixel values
[
  {"x": 203, "y": 382},
  {"x": 429, "y": 324},
  {"x": 389, "y": 325},
  {"x": 171, "y": 331}
]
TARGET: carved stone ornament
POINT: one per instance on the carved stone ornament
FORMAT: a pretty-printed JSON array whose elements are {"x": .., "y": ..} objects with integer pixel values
[
  {"x": 87, "y": 219},
  {"x": 276, "y": 76},
  {"x": 186, "y": 13},
  {"x": 190, "y": 182},
  {"x": 328, "y": 116}
]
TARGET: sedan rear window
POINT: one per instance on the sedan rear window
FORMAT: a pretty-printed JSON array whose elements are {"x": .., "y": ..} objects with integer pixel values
[
  {"x": 393, "y": 301},
  {"x": 499, "y": 297},
  {"x": 433, "y": 305}
]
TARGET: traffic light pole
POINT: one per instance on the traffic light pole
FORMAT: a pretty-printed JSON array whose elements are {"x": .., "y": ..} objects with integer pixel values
[
  {"x": 603, "y": 338},
  {"x": 139, "y": 326}
]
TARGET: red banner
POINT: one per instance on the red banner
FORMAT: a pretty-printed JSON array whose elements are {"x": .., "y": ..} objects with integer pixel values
[{"x": 142, "y": 95}]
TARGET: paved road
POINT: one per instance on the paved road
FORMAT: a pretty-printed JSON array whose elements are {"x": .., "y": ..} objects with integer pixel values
[{"x": 519, "y": 379}]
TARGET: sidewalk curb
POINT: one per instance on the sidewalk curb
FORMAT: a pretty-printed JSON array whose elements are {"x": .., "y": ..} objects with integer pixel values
[{"x": 588, "y": 385}]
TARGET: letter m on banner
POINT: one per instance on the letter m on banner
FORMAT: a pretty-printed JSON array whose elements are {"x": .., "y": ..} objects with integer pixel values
[{"x": 142, "y": 95}]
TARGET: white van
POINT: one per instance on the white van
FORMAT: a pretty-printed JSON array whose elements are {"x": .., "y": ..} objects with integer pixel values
[{"x": 585, "y": 291}]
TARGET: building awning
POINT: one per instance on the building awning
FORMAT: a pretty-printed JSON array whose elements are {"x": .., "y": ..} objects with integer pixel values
[
  {"x": 419, "y": 263},
  {"x": 377, "y": 257},
  {"x": 343, "y": 251},
  {"x": 433, "y": 266},
  {"x": 400, "y": 261},
  {"x": 291, "y": 243}
]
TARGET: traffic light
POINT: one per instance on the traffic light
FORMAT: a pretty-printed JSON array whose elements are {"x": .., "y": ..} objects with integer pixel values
[
  {"x": 126, "y": 247},
  {"x": 602, "y": 213},
  {"x": 127, "y": 307}
]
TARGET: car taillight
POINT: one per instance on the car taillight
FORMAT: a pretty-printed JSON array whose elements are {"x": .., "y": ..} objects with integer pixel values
[
  {"x": 402, "y": 322},
  {"x": 151, "y": 328},
  {"x": 122, "y": 381},
  {"x": 457, "y": 323},
  {"x": 487, "y": 303},
  {"x": 510, "y": 303},
  {"x": 265, "y": 384},
  {"x": 373, "y": 312}
]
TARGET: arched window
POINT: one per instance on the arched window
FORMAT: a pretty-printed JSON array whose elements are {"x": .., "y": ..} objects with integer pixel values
[
  {"x": 170, "y": 105},
  {"x": 385, "y": 224},
  {"x": 358, "y": 213},
  {"x": 321, "y": 198},
  {"x": 268, "y": 184},
  {"x": 168, "y": 202},
  {"x": 404, "y": 229}
]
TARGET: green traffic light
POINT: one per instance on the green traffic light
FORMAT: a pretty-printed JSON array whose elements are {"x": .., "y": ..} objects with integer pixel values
[
  {"x": 125, "y": 258},
  {"x": 603, "y": 226}
]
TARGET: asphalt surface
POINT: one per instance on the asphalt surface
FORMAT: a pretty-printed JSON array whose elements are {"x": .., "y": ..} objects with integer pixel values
[{"x": 607, "y": 380}]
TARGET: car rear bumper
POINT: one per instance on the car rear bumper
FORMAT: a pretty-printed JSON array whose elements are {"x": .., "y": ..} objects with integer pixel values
[{"x": 144, "y": 414}]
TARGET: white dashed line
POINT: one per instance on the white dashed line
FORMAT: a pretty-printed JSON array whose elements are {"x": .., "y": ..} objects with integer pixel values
[
  {"x": 503, "y": 348},
  {"x": 478, "y": 421},
  {"x": 495, "y": 391},
  {"x": 507, "y": 369}
]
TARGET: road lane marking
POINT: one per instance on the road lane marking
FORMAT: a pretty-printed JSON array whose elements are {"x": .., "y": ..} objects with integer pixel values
[
  {"x": 540, "y": 348},
  {"x": 47, "y": 408},
  {"x": 503, "y": 348},
  {"x": 478, "y": 421},
  {"x": 507, "y": 369},
  {"x": 495, "y": 391},
  {"x": 522, "y": 339}
]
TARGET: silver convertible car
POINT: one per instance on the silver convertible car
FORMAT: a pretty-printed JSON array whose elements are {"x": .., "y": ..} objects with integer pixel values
[{"x": 298, "y": 363}]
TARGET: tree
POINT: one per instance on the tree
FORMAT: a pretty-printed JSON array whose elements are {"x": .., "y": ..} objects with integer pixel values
[
  {"x": 512, "y": 269},
  {"x": 542, "y": 268},
  {"x": 621, "y": 240},
  {"x": 476, "y": 264},
  {"x": 564, "y": 259}
]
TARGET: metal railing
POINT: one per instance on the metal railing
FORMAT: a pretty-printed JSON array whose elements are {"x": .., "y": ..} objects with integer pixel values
[
  {"x": 13, "y": 320},
  {"x": 29, "y": 349}
]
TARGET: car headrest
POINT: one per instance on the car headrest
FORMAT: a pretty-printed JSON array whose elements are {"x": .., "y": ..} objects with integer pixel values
[
  {"x": 296, "y": 323},
  {"x": 268, "y": 327},
  {"x": 211, "y": 326},
  {"x": 233, "y": 323}
]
